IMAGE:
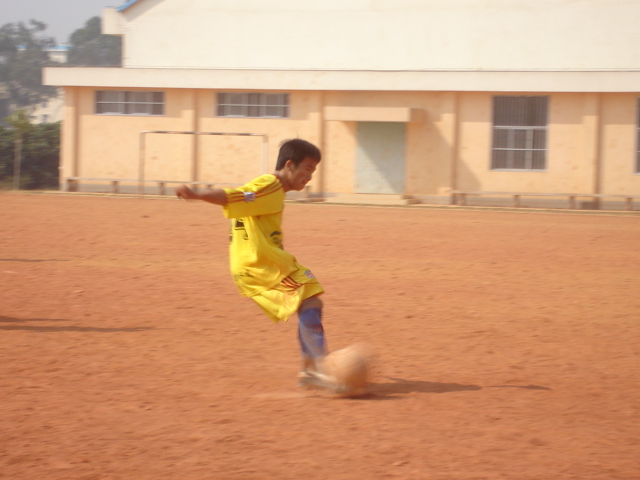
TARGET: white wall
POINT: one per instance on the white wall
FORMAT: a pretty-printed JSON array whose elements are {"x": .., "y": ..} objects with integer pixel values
[{"x": 383, "y": 34}]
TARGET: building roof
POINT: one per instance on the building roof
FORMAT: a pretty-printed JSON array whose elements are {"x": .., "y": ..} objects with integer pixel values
[
  {"x": 344, "y": 80},
  {"x": 127, "y": 5}
]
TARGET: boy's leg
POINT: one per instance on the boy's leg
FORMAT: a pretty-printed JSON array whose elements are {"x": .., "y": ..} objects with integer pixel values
[
  {"x": 314, "y": 346},
  {"x": 311, "y": 333}
]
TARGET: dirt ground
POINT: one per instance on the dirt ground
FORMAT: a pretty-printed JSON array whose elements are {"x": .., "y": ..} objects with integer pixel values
[{"x": 508, "y": 345}]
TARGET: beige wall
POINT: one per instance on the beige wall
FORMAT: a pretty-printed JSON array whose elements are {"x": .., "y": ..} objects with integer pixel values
[
  {"x": 619, "y": 145},
  {"x": 69, "y": 135},
  {"x": 451, "y": 148},
  {"x": 448, "y": 147},
  {"x": 380, "y": 35},
  {"x": 238, "y": 159},
  {"x": 338, "y": 166},
  {"x": 577, "y": 144},
  {"x": 108, "y": 146},
  {"x": 429, "y": 143}
]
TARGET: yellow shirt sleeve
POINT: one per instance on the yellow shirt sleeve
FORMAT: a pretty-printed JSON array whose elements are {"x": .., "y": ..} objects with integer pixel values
[{"x": 262, "y": 196}]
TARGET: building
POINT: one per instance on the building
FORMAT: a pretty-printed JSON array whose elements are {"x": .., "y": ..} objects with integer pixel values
[{"x": 421, "y": 98}]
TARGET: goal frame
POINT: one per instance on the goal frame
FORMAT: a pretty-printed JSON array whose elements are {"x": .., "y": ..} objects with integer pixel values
[{"x": 194, "y": 163}]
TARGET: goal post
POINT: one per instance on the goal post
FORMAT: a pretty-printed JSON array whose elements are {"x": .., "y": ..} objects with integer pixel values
[{"x": 193, "y": 180}]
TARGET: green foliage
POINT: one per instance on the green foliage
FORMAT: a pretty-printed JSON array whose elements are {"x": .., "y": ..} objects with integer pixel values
[
  {"x": 6, "y": 154},
  {"x": 88, "y": 47},
  {"x": 19, "y": 120},
  {"x": 22, "y": 57},
  {"x": 40, "y": 156}
]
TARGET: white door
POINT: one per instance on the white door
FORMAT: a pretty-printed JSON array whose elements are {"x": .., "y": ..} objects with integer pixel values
[{"x": 380, "y": 158}]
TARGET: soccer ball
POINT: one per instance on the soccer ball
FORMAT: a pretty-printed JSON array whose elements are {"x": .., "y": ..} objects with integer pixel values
[{"x": 349, "y": 368}]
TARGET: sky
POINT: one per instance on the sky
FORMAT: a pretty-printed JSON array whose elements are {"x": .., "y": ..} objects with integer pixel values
[{"x": 62, "y": 17}]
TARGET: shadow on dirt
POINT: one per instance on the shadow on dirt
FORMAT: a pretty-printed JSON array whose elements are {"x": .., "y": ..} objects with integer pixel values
[
  {"x": 23, "y": 324},
  {"x": 526, "y": 387},
  {"x": 31, "y": 260},
  {"x": 398, "y": 386}
]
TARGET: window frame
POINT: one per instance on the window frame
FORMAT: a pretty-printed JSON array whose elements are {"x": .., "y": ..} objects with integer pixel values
[
  {"x": 520, "y": 141},
  {"x": 252, "y": 105},
  {"x": 130, "y": 103}
]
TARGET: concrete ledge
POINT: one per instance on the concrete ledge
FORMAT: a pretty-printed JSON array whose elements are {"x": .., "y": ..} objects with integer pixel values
[
  {"x": 374, "y": 114},
  {"x": 459, "y": 197},
  {"x": 345, "y": 80},
  {"x": 371, "y": 199}
]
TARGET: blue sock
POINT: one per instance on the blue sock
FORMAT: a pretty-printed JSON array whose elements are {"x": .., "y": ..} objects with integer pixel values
[{"x": 311, "y": 333}]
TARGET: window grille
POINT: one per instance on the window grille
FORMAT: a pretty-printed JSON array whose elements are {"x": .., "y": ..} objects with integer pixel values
[
  {"x": 519, "y": 133},
  {"x": 255, "y": 105},
  {"x": 116, "y": 102}
]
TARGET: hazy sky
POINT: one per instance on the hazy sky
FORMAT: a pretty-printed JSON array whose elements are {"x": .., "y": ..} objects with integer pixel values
[{"x": 61, "y": 16}]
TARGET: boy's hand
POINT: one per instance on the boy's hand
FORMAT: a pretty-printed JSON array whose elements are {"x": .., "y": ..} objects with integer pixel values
[
  {"x": 186, "y": 193},
  {"x": 217, "y": 196}
]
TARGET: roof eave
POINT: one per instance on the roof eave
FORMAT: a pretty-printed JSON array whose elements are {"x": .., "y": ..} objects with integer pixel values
[{"x": 121, "y": 8}]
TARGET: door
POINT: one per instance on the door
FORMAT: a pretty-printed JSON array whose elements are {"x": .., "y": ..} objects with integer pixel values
[{"x": 380, "y": 158}]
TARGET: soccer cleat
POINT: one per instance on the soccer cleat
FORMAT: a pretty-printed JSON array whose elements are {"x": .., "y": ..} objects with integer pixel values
[{"x": 312, "y": 378}]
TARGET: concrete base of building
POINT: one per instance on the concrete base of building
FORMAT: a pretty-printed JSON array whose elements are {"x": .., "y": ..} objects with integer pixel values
[{"x": 371, "y": 199}]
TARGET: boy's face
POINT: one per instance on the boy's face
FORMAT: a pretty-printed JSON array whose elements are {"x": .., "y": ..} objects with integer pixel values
[{"x": 298, "y": 176}]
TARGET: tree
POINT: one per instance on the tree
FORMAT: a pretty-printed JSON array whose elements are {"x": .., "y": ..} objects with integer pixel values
[
  {"x": 39, "y": 152},
  {"x": 22, "y": 56},
  {"x": 19, "y": 120},
  {"x": 89, "y": 47},
  {"x": 6, "y": 154},
  {"x": 41, "y": 156}
]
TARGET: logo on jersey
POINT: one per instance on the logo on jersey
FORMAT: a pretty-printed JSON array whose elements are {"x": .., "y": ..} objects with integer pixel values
[
  {"x": 249, "y": 196},
  {"x": 238, "y": 225},
  {"x": 309, "y": 274},
  {"x": 276, "y": 238}
]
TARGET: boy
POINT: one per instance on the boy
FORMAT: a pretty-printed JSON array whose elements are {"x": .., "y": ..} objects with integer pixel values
[{"x": 260, "y": 267}]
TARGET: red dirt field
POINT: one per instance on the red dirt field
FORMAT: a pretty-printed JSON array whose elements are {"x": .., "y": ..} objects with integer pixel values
[{"x": 508, "y": 345}]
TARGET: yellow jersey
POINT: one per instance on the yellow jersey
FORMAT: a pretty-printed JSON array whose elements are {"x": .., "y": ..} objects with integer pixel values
[{"x": 257, "y": 259}]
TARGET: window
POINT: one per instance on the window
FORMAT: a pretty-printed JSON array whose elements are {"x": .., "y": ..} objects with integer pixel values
[
  {"x": 257, "y": 105},
  {"x": 519, "y": 133},
  {"x": 115, "y": 102}
]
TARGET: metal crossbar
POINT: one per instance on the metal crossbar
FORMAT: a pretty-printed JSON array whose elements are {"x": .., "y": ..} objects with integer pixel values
[
  {"x": 141, "y": 160},
  {"x": 72, "y": 183}
]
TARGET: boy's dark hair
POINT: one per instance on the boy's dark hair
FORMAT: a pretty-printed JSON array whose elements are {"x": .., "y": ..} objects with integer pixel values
[{"x": 296, "y": 150}]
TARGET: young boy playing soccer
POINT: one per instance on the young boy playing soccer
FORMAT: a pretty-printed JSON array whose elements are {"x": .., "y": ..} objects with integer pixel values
[{"x": 260, "y": 266}]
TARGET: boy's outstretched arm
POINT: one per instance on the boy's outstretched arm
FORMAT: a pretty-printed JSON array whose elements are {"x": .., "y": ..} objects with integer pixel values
[{"x": 217, "y": 196}]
